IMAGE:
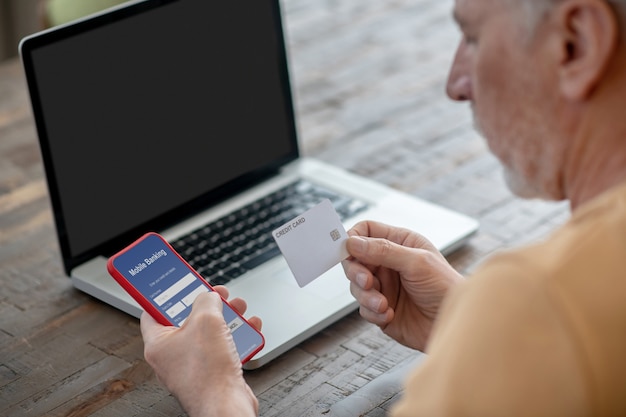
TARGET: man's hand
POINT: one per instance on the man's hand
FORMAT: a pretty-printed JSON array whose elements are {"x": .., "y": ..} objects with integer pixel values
[
  {"x": 399, "y": 279},
  {"x": 198, "y": 362}
]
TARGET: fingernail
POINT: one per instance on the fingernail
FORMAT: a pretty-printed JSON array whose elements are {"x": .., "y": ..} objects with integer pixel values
[
  {"x": 374, "y": 303},
  {"x": 361, "y": 279}
]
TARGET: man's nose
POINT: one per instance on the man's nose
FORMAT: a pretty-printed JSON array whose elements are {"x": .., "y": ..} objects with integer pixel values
[
  {"x": 459, "y": 85},
  {"x": 459, "y": 88}
]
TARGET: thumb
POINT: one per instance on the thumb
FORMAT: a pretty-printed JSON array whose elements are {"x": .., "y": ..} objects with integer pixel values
[
  {"x": 379, "y": 252},
  {"x": 209, "y": 301}
]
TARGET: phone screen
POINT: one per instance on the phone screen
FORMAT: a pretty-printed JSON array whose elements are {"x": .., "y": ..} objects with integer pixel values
[{"x": 150, "y": 268}]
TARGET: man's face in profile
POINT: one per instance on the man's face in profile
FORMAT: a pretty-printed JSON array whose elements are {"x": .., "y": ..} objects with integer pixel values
[{"x": 498, "y": 67}]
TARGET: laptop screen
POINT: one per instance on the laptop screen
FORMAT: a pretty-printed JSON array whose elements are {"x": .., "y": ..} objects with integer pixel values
[{"x": 151, "y": 111}]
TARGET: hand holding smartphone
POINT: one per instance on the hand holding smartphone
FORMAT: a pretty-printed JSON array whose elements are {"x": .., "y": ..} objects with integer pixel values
[{"x": 165, "y": 285}]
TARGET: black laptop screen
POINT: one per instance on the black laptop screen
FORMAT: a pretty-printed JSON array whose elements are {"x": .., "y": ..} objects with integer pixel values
[{"x": 157, "y": 108}]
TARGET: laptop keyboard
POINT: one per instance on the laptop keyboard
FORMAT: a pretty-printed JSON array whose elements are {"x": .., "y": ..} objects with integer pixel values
[{"x": 238, "y": 242}]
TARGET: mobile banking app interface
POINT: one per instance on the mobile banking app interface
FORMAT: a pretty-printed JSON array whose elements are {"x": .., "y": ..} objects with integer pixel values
[{"x": 156, "y": 272}]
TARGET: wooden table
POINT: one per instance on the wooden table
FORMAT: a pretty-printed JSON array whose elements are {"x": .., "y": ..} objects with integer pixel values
[{"x": 369, "y": 81}]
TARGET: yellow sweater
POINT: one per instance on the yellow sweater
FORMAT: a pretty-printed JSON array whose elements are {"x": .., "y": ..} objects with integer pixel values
[{"x": 539, "y": 331}]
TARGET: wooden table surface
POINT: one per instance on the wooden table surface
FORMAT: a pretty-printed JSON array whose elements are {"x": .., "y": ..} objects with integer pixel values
[{"x": 369, "y": 80}]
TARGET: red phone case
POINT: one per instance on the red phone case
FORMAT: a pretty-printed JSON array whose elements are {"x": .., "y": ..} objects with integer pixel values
[{"x": 147, "y": 305}]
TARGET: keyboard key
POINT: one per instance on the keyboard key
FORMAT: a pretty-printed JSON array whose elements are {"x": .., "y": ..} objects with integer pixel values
[{"x": 261, "y": 258}]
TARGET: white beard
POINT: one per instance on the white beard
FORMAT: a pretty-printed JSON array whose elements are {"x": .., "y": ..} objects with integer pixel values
[{"x": 521, "y": 187}]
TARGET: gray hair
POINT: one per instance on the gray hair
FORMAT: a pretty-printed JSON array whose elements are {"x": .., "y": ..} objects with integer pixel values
[{"x": 536, "y": 10}]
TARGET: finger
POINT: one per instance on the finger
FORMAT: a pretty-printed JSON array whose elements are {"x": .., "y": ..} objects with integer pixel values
[
  {"x": 360, "y": 229},
  {"x": 379, "y": 319},
  {"x": 399, "y": 235},
  {"x": 380, "y": 252},
  {"x": 358, "y": 274},
  {"x": 239, "y": 304},
  {"x": 369, "y": 299},
  {"x": 209, "y": 302},
  {"x": 222, "y": 291},
  {"x": 256, "y": 322},
  {"x": 370, "y": 228}
]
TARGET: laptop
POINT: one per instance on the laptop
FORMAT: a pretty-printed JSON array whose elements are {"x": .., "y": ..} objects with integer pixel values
[{"x": 176, "y": 116}]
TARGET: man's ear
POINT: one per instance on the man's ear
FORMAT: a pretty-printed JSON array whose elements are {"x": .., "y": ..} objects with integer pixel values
[{"x": 589, "y": 32}]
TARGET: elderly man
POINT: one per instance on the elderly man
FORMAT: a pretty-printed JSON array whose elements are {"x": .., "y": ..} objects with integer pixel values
[{"x": 540, "y": 331}]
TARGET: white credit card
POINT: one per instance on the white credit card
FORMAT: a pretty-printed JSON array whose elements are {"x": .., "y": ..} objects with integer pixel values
[{"x": 313, "y": 242}]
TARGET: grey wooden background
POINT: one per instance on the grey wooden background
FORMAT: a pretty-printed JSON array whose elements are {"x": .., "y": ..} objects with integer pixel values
[{"x": 369, "y": 79}]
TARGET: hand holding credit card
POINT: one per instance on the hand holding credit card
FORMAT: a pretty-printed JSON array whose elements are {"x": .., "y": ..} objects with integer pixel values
[{"x": 313, "y": 242}]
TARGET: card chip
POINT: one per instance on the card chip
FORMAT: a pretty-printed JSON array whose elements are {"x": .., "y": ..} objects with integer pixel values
[{"x": 304, "y": 242}]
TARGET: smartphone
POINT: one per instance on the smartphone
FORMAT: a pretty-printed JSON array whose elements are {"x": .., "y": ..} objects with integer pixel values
[{"x": 165, "y": 286}]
